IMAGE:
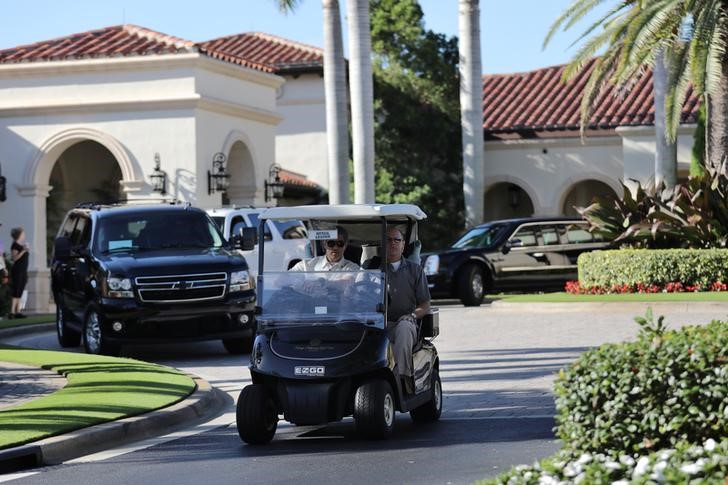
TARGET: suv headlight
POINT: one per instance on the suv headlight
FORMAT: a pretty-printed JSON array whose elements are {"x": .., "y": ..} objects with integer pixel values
[
  {"x": 432, "y": 264},
  {"x": 118, "y": 287},
  {"x": 240, "y": 281}
]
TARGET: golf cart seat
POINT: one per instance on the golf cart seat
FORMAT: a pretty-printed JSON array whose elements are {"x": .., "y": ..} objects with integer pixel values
[{"x": 370, "y": 255}]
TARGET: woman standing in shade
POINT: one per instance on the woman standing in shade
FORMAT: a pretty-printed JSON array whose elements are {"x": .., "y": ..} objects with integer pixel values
[{"x": 19, "y": 271}]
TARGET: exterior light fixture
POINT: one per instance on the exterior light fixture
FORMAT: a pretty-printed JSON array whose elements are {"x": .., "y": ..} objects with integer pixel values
[
  {"x": 218, "y": 180},
  {"x": 273, "y": 186},
  {"x": 159, "y": 177}
]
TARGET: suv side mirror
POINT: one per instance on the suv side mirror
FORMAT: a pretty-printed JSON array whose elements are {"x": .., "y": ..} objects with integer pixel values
[
  {"x": 247, "y": 239},
  {"x": 62, "y": 249},
  {"x": 513, "y": 243}
]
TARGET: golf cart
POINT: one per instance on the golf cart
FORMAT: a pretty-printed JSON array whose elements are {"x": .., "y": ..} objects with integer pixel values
[{"x": 321, "y": 352}]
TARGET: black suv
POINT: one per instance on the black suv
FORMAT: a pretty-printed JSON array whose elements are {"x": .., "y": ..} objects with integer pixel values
[
  {"x": 154, "y": 273},
  {"x": 514, "y": 254}
]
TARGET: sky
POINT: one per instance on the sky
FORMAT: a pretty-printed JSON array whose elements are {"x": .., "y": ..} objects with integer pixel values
[{"x": 512, "y": 31}]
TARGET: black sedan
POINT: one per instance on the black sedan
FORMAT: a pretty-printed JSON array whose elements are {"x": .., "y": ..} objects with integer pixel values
[{"x": 509, "y": 255}]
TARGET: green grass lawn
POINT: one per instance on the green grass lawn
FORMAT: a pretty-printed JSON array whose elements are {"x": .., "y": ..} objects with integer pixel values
[
  {"x": 99, "y": 389},
  {"x": 562, "y": 297},
  {"x": 29, "y": 320}
]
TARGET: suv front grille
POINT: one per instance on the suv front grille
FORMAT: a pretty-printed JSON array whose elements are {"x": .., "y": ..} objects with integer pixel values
[{"x": 177, "y": 288}]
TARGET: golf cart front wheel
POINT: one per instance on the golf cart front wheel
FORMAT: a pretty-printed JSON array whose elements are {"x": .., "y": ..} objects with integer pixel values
[
  {"x": 374, "y": 409},
  {"x": 431, "y": 410},
  {"x": 256, "y": 415}
]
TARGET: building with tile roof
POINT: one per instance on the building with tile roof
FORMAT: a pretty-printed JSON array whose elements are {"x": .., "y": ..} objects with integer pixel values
[
  {"x": 537, "y": 163},
  {"x": 83, "y": 117}
]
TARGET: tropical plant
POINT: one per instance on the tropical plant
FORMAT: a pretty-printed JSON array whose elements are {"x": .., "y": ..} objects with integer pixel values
[
  {"x": 634, "y": 32},
  {"x": 471, "y": 109},
  {"x": 337, "y": 123}
]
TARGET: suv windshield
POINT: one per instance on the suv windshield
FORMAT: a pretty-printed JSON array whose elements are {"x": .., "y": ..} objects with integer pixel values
[
  {"x": 321, "y": 298},
  {"x": 156, "y": 230},
  {"x": 480, "y": 237}
]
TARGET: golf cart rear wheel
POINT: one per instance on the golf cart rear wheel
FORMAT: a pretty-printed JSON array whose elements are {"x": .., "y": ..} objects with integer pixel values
[
  {"x": 256, "y": 415},
  {"x": 238, "y": 346},
  {"x": 374, "y": 409},
  {"x": 431, "y": 410}
]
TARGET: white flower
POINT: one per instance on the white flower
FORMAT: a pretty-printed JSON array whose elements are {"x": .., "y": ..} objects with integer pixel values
[
  {"x": 657, "y": 470},
  {"x": 620, "y": 482},
  {"x": 584, "y": 459},
  {"x": 693, "y": 468},
  {"x": 626, "y": 460},
  {"x": 641, "y": 467},
  {"x": 572, "y": 469},
  {"x": 579, "y": 478},
  {"x": 612, "y": 465},
  {"x": 665, "y": 455},
  {"x": 710, "y": 444},
  {"x": 547, "y": 480}
]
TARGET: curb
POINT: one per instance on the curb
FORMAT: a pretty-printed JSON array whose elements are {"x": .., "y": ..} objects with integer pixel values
[
  {"x": 26, "y": 329},
  {"x": 615, "y": 307},
  {"x": 202, "y": 404}
]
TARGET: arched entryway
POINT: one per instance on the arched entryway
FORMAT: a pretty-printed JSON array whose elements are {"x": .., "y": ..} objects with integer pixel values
[
  {"x": 241, "y": 190},
  {"x": 584, "y": 193},
  {"x": 85, "y": 172},
  {"x": 506, "y": 200}
]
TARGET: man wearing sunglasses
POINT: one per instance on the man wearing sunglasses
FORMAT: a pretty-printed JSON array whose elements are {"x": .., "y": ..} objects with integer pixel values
[
  {"x": 333, "y": 260},
  {"x": 409, "y": 300}
]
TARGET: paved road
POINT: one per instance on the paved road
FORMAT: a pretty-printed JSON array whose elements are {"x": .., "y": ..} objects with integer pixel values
[{"x": 497, "y": 369}]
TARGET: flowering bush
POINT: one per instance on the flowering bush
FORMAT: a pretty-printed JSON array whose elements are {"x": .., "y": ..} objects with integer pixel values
[
  {"x": 665, "y": 388},
  {"x": 575, "y": 288},
  {"x": 703, "y": 463}
]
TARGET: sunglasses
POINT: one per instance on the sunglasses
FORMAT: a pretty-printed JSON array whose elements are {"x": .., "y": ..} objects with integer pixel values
[
  {"x": 332, "y": 244},
  {"x": 394, "y": 240}
]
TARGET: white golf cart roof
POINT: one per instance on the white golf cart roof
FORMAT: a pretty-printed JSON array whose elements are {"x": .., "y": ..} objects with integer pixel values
[{"x": 345, "y": 211}]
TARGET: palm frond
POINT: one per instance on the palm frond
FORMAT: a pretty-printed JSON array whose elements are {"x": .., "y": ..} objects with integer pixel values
[
  {"x": 575, "y": 7},
  {"x": 679, "y": 61}
]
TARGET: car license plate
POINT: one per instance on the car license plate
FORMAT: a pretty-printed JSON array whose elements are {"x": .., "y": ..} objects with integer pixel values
[{"x": 309, "y": 370}]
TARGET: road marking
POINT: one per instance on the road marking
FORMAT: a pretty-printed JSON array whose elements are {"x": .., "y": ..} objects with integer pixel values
[{"x": 16, "y": 476}]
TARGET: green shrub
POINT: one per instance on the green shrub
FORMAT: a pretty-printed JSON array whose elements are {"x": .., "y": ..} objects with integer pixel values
[
  {"x": 666, "y": 388},
  {"x": 704, "y": 463},
  {"x": 691, "y": 267}
]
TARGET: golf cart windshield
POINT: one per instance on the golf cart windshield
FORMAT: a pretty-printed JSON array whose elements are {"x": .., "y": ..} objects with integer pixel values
[{"x": 321, "y": 298}]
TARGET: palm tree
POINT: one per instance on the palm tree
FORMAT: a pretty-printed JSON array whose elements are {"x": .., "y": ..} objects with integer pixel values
[
  {"x": 665, "y": 149},
  {"x": 471, "y": 110},
  {"x": 361, "y": 87},
  {"x": 692, "y": 33},
  {"x": 337, "y": 123}
]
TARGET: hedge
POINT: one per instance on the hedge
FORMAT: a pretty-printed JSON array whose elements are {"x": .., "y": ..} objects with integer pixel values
[{"x": 629, "y": 267}]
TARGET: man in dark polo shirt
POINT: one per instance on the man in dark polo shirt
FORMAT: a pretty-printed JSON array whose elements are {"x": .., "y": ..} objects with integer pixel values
[{"x": 409, "y": 300}]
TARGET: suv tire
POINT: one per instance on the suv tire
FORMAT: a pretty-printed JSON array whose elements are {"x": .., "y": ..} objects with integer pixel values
[
  {"x": 374, "y": 409},
  {"x": 431, "y": 410},
  {"x": 256, "y": 415},
  {"x": 67, "y": 337},
  {"x": 471, "y": 285},
  {"x": 238, "y": 346},
  {"x": 94, "y": 341}
]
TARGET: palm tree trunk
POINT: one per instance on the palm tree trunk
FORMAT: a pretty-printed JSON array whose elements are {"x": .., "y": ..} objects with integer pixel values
[
  {"x": 337, "y": 126},
  {"x": 471, "y": 110},
  {"x": 665, "y": 151},
  {"x": 362, "y": 100},
  {"x": 717, "y": 117}
]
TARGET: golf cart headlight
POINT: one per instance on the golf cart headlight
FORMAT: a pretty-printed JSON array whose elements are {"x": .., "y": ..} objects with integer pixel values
[
  {"x": 240, "y": 281},
  {"x": 432, "y": 264},
  {"x": 119, "y": 287}
]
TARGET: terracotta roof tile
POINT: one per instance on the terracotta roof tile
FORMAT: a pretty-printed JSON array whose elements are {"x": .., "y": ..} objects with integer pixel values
[
  {"x": 255, "y": 50},
  {"x": 538, "y": 101},
  {"x": 296, "y": 179}
]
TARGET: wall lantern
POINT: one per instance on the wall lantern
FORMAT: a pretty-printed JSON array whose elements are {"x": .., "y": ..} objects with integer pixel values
[
  {"x": 159, "y": 177},
  {"x": 3, "y": 185},
  {"x": 217, "y": 180},
  {"x": 514, "y": 196},
  {"x": 273, "y": 186}
]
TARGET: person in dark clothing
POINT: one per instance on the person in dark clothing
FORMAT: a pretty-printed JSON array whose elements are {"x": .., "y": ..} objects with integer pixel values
[{"x": 19, "y": 271}]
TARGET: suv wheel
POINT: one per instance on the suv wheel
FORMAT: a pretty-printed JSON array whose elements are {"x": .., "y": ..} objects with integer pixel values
[
  {"x": 93, "y": 336},
  {"x": 238, "y": 346},
  {"x": 471, "y": 285},
  {"x": 67, "y": 337},
  {"x": 256, "y": 415},
  {"x": 430, "y": 411},
  {"x": 374, "y": 409}
]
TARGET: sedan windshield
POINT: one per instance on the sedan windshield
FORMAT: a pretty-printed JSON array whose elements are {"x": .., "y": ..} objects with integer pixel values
[
  {"x": 480, "y": 237},
  {"x": 156, "y": 230},
  {"x": 321, "y": 298}
]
